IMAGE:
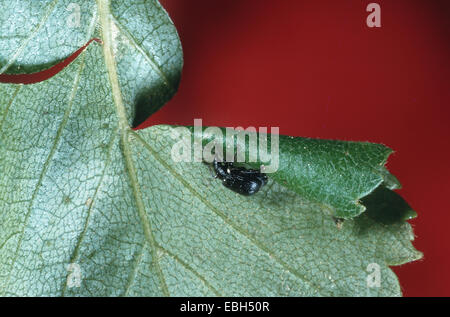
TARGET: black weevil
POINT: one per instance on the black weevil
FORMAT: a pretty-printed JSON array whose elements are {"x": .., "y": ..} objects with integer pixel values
[{"x": 243, "y": 181}]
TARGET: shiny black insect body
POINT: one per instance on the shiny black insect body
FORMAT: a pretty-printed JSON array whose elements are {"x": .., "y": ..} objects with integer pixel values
[{"x": 243, "y": 181}]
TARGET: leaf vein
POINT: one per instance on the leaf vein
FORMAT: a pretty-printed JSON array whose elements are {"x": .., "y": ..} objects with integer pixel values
[
  {"x": 189, "y": 268},
  {"x": 134, "y": 271}
]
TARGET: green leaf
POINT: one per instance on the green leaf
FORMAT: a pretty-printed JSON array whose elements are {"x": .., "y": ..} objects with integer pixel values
[
  {"x": 336, "y": 174},
  {"x": 84, "y": 198}
]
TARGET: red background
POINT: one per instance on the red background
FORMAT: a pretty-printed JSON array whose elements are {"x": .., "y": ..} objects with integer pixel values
[{"x": 314, "y": 68}]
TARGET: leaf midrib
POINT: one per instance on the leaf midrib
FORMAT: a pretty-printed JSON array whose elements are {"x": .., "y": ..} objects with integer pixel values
[{"x": 124, "y": 130}]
